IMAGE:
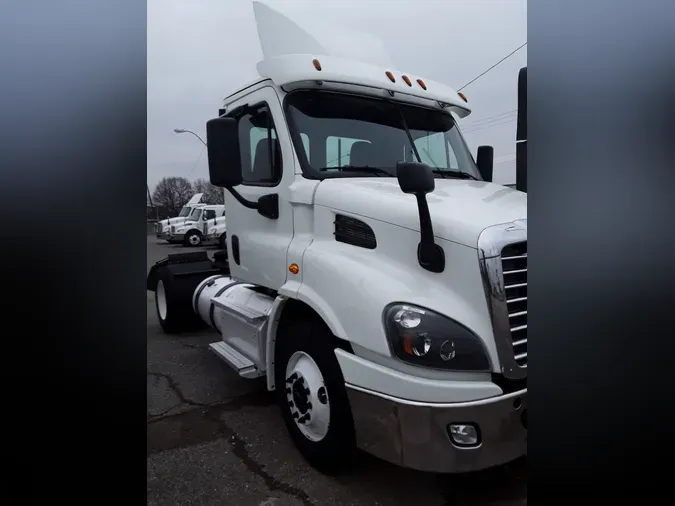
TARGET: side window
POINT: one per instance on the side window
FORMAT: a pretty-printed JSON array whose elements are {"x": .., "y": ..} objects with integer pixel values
[
  {"x": 261, "y": 161},
  {"x": 208, "y": 214},
  {"x": 338, "y": 151},
  {"x": 436, "y": 151}
]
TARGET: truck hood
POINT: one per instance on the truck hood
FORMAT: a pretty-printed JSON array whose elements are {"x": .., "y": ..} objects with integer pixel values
[
  {"x": 460, "y": 209},
  {"x": 184, "y": 225},
  {"x": 173, "y": 221}
]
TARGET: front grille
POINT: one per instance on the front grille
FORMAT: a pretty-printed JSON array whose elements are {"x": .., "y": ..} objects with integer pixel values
[
  {"x": 514, "y": 269},
  {"x": 159, "y": 228}
]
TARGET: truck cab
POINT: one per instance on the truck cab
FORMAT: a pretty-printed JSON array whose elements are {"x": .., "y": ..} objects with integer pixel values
[
  {"x": 374, "y": 275},
  {"x": 195, "y": 228},
  {"x": 162, "y": 227}
]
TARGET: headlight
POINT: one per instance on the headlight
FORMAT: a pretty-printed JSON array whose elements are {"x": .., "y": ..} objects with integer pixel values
[
  {"x": 422, "y": 337},
  {"x": 212, "y": 231}
]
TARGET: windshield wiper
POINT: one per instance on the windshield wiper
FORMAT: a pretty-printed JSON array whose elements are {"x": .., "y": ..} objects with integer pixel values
[
  {"x": 361, "y": 168},
  {"x": 454, "y": 173}
]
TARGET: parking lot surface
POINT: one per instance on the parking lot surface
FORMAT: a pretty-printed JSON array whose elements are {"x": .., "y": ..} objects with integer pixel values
[{"x": 214, "y": 438}]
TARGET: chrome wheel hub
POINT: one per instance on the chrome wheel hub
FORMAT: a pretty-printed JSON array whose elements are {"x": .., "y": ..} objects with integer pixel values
[
  {"x": 161, "y": 300},
  {"x": 307, "y": 396}
]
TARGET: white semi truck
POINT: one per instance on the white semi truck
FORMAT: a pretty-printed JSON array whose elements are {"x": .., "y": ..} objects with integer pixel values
[
  {"x": 196, "y": 226},
  {"x": 374, "y": 276},
  {"x": 162, "y": 226}
]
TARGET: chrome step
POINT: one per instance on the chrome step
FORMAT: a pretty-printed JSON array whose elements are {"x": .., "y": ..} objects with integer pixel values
[{"x": 236, "y": 360}]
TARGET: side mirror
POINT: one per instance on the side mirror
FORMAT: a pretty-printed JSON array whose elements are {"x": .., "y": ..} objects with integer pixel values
[
  {"x": 485, "y": 162},
  {"x": 415, "y": 178},
  {"x": 222, "y": 139},
  {"x": 418, "y": 179}
]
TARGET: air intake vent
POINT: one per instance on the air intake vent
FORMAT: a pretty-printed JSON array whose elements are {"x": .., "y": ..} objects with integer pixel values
[{"x": 355, "y": 232}]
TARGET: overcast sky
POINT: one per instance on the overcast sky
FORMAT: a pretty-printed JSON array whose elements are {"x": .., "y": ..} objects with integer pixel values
[{"x": 199, "y": 51}]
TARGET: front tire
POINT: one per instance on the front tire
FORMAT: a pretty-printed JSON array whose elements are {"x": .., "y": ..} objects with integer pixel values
[
  {"x": 193, "y": 238},
  {"x": 312, "y": 396}
]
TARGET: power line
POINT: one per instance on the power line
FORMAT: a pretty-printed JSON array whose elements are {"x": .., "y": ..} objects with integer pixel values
[
  {"x": 195, "y": 165},
  {"x": 505, "y": 161},
  {"x": 504, "y": 121},
  {"x": 473, "y": 122},
  {"x": 493, "y": 66},
  {"x": 496, "y": 121}
]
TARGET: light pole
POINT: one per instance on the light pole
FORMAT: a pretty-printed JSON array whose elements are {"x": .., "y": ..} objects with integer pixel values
[{"x": 183, "y": 131}]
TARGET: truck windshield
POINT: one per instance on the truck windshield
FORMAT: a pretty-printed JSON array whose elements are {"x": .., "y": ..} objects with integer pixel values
[
  {"x": 195, "y": 215},
  {"x": 184, "y": 212},
  {"x": 348, "y": 132}
]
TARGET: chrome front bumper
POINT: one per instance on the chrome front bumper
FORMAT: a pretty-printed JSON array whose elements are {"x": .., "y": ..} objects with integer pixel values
[{"x": 415, "y": 435}]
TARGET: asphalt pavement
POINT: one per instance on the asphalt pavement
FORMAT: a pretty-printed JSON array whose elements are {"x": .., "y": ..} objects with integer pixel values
[{"x": 217, "y": 439}]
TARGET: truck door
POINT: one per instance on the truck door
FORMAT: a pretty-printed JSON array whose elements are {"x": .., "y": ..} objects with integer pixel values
[{"x": 257, "y": 244}]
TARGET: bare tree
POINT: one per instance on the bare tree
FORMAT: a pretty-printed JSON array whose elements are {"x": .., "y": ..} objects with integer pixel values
[
  {"x": 172, "y": 193},
  {"x": 212, "y": 194}
]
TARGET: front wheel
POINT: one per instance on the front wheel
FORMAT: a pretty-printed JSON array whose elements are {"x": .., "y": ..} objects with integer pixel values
[
  {"x": 193, "y": 238},
  {"x": 312, "y": 395}
]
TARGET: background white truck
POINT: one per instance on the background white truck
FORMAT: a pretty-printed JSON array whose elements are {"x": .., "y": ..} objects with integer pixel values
[
  {"x": 374, "y": 276},
  {"x": 196, "y": 226},
  {"x": 162, "y": 226},
  {"x": 217, "y": 232}
]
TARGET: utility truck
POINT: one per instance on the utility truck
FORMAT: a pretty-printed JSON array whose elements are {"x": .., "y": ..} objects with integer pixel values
[
  {"x": 374, "y": 276},
  {"x": 179, "y": 223},
  {"x": 162, "y": 226},
  {"x": 196, "y": 226}
]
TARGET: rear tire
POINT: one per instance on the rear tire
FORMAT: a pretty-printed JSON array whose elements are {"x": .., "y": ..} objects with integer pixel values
[
  {"x": 173, "y": 303},
  {"x": 326, "y": 439}
]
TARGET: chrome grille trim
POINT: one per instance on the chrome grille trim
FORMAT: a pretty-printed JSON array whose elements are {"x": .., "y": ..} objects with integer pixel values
[
  {"x": 514, "y": 272},
  {"x": 506, "y": 301}
]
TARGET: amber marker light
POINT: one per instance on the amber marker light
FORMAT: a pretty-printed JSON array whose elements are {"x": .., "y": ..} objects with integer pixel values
[{"x": 294, "y": 268}]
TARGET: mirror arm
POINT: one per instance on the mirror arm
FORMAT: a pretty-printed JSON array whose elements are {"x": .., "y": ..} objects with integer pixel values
[
  {"x": 246, "y": 203},
  {"x": 426, "y": 227},
  {"x": 429, "y": 254}
]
